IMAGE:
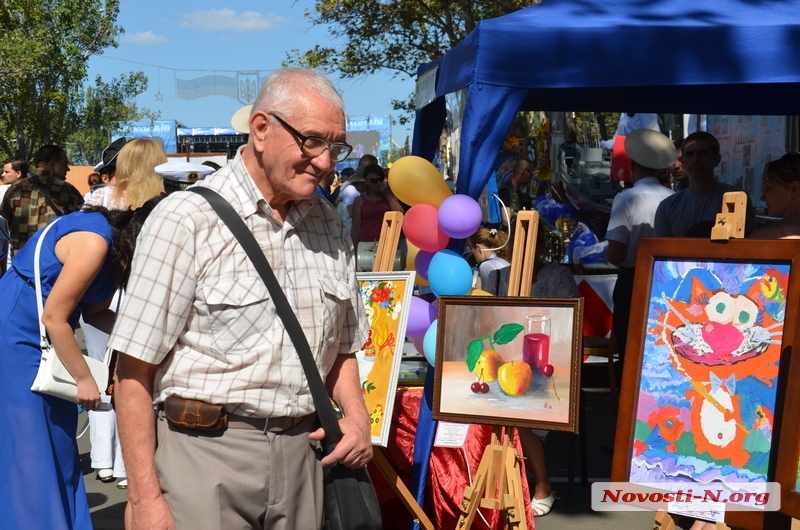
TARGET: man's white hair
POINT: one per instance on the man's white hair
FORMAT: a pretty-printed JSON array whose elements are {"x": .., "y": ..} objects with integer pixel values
[{"x": 281, "y": 89}]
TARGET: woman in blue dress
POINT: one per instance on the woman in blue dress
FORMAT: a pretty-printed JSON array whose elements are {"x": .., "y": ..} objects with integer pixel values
[{"x": 84, "y": 257}]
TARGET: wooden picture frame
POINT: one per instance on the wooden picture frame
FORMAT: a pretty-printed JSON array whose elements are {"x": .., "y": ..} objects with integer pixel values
[
  {"x": 710, "y": 325},
  {"x": 387, "y": 300},
  {"x": 517, "y": 393},
  {"x": 788, "y": 459}
]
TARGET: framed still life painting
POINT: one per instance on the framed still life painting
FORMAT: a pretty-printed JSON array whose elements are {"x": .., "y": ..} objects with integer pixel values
[
  {"x": 701, "y": 392},
  {"x": 511, "y": 361},
  {"x": 387, "y": 299}
]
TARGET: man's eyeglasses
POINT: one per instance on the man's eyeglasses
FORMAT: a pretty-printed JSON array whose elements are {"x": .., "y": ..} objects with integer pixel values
[
  {"x": 376, "y": 180},
  {"x": 314, "y": 146}
]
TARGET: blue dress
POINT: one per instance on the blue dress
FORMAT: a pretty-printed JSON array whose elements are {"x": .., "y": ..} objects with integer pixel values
[{"x": 42, "y": 484}]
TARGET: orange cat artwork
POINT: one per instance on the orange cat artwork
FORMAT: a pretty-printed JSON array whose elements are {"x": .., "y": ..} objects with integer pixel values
[{"x": 709, "y": 371}]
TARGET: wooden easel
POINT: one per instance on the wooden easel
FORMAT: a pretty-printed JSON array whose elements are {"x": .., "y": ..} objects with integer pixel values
[
  {"x": 729, "y": 224},
  {"x": 498, "y": 482},
  {"x": 384, "y": 262}
]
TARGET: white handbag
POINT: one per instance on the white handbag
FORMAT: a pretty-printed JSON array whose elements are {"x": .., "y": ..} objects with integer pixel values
[{"x": 53, "y": 378}]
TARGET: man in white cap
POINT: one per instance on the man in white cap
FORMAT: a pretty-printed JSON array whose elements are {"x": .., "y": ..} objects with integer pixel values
[{"x": 632, "y": 216}]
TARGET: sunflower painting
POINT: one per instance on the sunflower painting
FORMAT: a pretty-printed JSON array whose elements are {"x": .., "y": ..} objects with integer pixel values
[{"x": 386, "y": 297}]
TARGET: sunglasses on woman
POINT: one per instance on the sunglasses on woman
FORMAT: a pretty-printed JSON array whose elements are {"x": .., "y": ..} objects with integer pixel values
[{"x": 376, "y": 180}]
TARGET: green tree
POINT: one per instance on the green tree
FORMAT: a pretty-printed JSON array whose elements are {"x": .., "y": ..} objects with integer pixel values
[
  {"x": 44, "y": 51},
  {"x": 105, "y": 105},
  {"x": 394, "y": 35}
]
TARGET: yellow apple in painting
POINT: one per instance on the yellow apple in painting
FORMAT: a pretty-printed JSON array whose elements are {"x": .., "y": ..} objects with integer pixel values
[
  {"x": 487, "y": 365},
  {"x": 515, "y": 377}
]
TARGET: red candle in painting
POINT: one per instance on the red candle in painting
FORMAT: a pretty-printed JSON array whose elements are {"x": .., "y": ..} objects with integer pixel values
[{"x": 536, "y": 350}]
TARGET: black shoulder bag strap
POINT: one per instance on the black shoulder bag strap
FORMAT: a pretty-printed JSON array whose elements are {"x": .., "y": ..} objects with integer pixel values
[
  {"x": 41, "y": 187},
  {"x": 322, "y": 402}
]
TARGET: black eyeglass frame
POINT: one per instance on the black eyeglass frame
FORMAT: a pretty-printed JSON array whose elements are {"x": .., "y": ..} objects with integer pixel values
[
  {"x": 343, "y": 154},
  {"x": 376, "y": 180}
]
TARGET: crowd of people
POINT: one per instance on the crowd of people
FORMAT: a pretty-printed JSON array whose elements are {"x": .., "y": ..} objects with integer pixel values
[{"x": 154, "y": 276}]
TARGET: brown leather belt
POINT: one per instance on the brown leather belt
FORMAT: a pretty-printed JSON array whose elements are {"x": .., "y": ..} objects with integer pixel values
[{"x": 265, "y": 424}]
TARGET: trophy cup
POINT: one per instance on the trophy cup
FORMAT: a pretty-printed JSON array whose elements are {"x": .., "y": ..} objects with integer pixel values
[{"x": 567, "y": 226}]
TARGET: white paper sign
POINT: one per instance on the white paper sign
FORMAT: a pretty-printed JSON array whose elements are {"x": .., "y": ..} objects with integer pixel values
[
  {"x": 451, "y": 434},
  {"x": 426, "y": 88}
]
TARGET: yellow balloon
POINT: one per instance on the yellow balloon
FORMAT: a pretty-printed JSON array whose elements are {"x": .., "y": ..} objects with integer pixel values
[
  {"x": 411, "y": 255},
  {"x": 479, "y": 292},
  {"x": 414, "y": 180}
]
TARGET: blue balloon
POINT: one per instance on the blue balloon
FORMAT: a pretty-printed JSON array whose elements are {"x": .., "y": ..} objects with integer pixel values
[
  {"x": 449, "y": 274},
  {"x": 429, "y": 342}
]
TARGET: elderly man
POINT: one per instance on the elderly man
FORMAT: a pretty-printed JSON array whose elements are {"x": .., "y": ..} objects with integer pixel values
[
  {"x": 198, "y": 324},
  {"x": 632, "y": 214}
]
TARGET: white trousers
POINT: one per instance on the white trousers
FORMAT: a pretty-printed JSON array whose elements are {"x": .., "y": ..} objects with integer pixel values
[{"x": 106, "y": 452}]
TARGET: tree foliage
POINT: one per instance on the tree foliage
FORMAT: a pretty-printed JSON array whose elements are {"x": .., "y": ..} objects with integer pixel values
[
  {"x": 105, "y": 105},
  {"x": 44, "y": 51},
  {"x": 395, "y": 35}
]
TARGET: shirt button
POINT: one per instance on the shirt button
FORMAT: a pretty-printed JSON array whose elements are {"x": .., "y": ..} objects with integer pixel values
[{"x": 288, "y": 269}]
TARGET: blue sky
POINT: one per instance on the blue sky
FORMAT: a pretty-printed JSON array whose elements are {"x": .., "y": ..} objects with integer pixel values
[{"x": 166, "y": 39}]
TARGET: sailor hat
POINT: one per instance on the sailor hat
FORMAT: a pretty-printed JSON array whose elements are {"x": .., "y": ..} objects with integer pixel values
[{"x": 183, "y": 174}]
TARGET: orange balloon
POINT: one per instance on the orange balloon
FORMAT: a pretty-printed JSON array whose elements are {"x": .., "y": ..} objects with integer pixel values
[
  {"x": 414, "y": 180},
  {"x": 478, "y": 292}
]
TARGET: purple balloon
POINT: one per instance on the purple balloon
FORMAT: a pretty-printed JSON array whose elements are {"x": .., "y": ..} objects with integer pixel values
[
  {"x": 420, "y": 316},
  {"x": 460, "y": 216},
  {"x": 421, "y": 263}
]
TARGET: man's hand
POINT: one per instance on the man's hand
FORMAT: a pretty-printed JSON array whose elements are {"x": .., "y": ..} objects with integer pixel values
[
  {"x": 152, "y": 514},
  {"x": 355, "y": 448}
]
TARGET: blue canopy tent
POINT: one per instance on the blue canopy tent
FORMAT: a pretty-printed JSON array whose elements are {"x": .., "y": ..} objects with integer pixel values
[
  {"x": 674, "y": 56},
  {"x": 680, "y": 56}
]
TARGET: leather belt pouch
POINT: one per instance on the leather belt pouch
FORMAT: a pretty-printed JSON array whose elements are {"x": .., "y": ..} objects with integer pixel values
[{"x": 194, "y": 414}]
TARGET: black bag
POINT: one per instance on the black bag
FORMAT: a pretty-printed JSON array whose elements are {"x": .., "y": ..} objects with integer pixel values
[{"x": 350, "y": 499}]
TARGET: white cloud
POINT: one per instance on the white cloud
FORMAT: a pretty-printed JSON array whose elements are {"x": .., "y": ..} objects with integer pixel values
[
  {"x": 228, "y": 19},
  {"x": 143, "y": 37}
]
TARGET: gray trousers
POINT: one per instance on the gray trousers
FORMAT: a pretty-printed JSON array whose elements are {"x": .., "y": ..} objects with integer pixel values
[{"x": 241, "y": 478}]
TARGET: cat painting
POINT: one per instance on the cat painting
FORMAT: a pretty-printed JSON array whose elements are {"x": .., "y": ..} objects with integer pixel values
[{"x": 709, "y": 371}]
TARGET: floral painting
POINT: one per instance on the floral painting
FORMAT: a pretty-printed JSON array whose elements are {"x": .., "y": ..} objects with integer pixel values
[
  {"x": 387, "y": 298},
  {"x": 711, "y": 354}
]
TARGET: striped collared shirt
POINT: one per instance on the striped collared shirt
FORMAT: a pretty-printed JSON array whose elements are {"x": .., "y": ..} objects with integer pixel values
[{"x": 196, "y": 306}]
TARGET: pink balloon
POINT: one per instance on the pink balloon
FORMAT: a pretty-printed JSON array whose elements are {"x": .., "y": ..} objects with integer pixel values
[
  {"x": 421, "y": 227},
  {"x": 460, "y": 216}
]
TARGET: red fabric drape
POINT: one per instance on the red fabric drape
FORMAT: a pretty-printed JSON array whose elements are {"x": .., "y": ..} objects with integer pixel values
[{"x": 448, "y": 475}]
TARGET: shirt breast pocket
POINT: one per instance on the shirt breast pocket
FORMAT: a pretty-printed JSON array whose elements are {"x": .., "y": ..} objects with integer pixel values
[
  {"x": 335, "y": 295},
  {"x": 236, "y": 311}
]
